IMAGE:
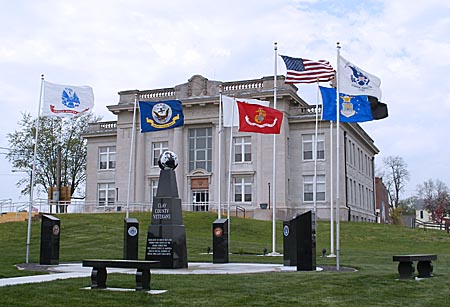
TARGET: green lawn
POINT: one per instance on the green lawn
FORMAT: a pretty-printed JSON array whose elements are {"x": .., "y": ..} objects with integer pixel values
[{"x": 367, "y": 247}]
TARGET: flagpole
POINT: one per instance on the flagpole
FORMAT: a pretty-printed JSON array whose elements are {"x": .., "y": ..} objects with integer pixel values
[
  {"x": 315, "y": 156},
  {"x": 219, "y": 172},
  {"x": 133, "y": 132},
  {"x": 331, "y": 194},
  {"x": 229, "y": 172},
  {"x": 274, "y": 204},
  {"x": 338, "y": 47},
  {"x": 33, "y": 175}
]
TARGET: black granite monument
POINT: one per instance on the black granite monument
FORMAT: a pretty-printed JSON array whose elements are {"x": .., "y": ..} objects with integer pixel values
[
  {"x": 50, "y": 231},
  {"x": 166, "y": 240},
  {"x": 290, "y": 241},
  {"x": 220, "y": 241},
  {"x": 299, "y": 242},
  {"x": 131, "y": 239},
  {"x": 306, "y": 244}
]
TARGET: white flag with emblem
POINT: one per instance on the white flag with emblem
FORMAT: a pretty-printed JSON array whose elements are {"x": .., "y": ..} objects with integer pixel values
[
  {"x": 355, "y": 81},
  {"x": 66, "y": 100}
]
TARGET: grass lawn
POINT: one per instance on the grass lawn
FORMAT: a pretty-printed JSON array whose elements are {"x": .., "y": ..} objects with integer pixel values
[{"x": 366, "y": 247}]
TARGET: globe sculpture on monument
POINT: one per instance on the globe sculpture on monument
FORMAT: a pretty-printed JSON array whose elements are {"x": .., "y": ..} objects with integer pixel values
[{"x": 166, "y": 240}]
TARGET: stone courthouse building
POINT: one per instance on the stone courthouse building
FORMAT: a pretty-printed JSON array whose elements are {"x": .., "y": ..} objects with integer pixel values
[{"x": 196, "y": 144}]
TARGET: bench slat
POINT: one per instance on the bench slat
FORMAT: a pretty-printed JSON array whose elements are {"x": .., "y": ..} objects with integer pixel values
[
  {"x": 410, "y": 258},
  {"x": 125, "y": 264}
]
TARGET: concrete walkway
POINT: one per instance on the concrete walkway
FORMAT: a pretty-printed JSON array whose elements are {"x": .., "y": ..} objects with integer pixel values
[{"x": 75, "y": 270}]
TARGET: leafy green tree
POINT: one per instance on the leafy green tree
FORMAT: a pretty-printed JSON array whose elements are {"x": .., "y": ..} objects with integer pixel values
[{"x": 55, "y": 134}]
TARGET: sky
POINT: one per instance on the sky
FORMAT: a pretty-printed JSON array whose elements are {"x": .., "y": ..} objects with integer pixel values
[{"x": 137, "y": 44}]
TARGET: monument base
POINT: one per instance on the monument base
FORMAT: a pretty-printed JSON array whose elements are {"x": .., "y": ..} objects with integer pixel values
[{"x": 167, "y": 244}]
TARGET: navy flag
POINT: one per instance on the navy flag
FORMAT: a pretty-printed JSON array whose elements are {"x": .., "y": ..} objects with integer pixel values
[
  {"x": 352, "y": 108},
  {"x": 160, "y": 115}
]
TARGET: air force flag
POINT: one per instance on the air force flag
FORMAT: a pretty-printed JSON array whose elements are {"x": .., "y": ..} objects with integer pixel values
[
  {"x": 352, "y": 109},
  {"x": 66, "y": 100},
  {"x": 161, "y": 115}
]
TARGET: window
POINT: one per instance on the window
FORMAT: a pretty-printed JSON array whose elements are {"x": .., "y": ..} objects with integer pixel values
[
  {"x": 157, "y": 149},
  {"x": 153, "y": 189},
  {"x": 308, "y": 144},
  {"x": 354, "y": 154},
  {"x": 107, "y": 157},
  {"x": 308, "y": 188},
  {"x": 106, "y": 194},
  {"x": 242, "y": 149},
  {"x": 350, "y": 187},
  {"x": 200, "y": 200},
  {"x": 200, "y": 149},
  {"x": 242, "y": 189}
]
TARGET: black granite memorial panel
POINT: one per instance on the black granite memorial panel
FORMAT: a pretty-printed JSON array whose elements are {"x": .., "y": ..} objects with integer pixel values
[
  {"x": 131, "y": 239},
  {"x": 220, "y": 241},
  {"x": 50, "y": 232},
  {"x": 306, "y": 244}
]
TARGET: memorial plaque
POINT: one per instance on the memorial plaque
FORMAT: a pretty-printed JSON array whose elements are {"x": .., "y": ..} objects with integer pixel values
[
  {"x": 290, "y": 241},
  {"x": 50, "y": 232},
  {"x": 166, "y": 239},
  {"x": 220, "y": 241},
  {"x": 131, "y": 239},
  {"x": 299, "y": 242},
  {"x": 306, "y": 244}
]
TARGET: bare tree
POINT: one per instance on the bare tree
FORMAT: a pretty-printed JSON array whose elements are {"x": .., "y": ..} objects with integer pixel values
[
  {"x": 435, "y": 194},
  {"x": 396, "y": 176}
]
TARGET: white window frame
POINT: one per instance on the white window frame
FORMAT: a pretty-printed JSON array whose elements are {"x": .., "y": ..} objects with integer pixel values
[
  {"x": 153, "y": 188},
  {"x": 107, "y": 153},
  {"x": 308, "y": 143},
  {"x": 200, "y": 200},
  {"x": 109, "y": 190},
  {"x": 242, "y": 149},
  {"x": 157, "y": 149},
  {"x": 200, "y": 157},
  {"x": 308, "y": 188},
  {"x": 243, "y": 189}
]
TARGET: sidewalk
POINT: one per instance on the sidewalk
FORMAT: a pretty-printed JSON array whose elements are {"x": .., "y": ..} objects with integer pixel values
[{"x": 75, "y": 270}]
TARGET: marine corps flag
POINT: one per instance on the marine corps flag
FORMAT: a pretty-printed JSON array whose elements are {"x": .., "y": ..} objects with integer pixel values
[
  {"x": 259, "y": 119},
  {"x": 160, "y": 115}
]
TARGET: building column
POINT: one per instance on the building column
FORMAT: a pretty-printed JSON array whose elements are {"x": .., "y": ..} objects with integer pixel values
[{"x": 183, "y": 160}]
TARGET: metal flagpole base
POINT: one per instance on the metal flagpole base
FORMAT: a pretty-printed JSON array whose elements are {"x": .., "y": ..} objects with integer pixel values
[
  {"x": 331, "y": 256},
  {"x": 274, "y": 254}
]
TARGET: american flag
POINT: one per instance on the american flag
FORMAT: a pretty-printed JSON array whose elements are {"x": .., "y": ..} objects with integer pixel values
[{"x": 307, "y": 71}]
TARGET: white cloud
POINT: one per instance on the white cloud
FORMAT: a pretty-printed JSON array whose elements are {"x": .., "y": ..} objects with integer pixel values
[{"x": 136, "y": 44}]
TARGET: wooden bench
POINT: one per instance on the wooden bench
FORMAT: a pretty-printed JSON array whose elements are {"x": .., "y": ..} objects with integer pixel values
[
  {"x": 99, "y": 274},
  {"x": 406, "y": 267}
]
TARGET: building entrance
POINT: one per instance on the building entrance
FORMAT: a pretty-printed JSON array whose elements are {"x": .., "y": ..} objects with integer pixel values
[{"x": 200, "y": 200}]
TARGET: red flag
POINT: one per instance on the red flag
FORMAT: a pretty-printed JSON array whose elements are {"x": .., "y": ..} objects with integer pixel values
[{"x": 259, "y": 119}]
